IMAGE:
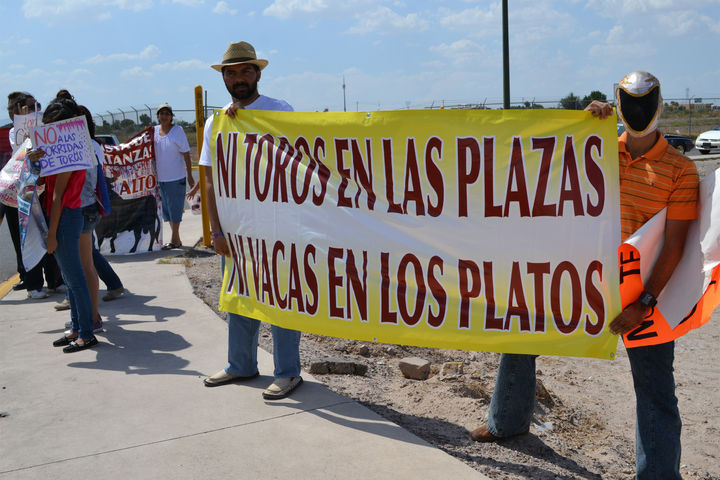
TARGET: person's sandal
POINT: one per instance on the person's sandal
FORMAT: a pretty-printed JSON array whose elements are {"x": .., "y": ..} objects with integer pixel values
[
  {"x": 76, "y": 347},
  {"x": 223, "y": 378},
  {"x": 282, "y": 387}
]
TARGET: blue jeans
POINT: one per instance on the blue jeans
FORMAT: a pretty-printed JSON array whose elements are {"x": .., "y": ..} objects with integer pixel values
[
  {"x": 513, "y": 399},
  {"x": 658, "y": 425},
  {"x": 67, "y": 256},
  {"x": 243, "y": 344}
]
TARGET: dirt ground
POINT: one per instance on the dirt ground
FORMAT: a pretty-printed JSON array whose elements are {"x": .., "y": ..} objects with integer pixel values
[{"x": 583, "y": 425}]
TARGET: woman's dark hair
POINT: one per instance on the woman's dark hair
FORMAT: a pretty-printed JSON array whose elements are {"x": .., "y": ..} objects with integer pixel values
[
  {"x": 64, "y": 94},
  {"x": 61, "y": 109},
  {"x": 90, "y": 122},
  {"x": 17, "y": 100}
]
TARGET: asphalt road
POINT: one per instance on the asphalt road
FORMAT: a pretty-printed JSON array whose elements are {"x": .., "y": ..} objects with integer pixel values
[
  {"x": 8, "y": 266},
  {"x": 695, "y": 155}
]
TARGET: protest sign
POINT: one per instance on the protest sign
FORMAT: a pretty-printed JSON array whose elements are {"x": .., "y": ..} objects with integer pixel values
[
  {"x": 134, "y": 223},
  {"x": 66, "y": 145},
  {"x": 10, "y": 175},
  {"x": 23, "y": 124},
  {"x": 693, "y": 291},
  {"x": 475, "y": 230},
  {"x": 33, "y": 228}
]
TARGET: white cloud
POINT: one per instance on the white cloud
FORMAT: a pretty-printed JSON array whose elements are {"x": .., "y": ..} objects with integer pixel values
[
  {"x": 289, "y": 8},
  {"x": 383, "y": 20},
  {"x": 530, "y": 22},
  {"x": 150, "y": 52},
  {"x": 79, "y": 10},
  {"x": 136, "y": 72},
  {"x": 713, "y": 24},
  {"x": 481, "y": 20},
  {"x": 615, "y": 45},
  {"x": 222, "y": 8},
  {"x": 318, "y": 9},
  {"x": 181, "y": 65},
  {"x": 619, "y": 8},
  {"x": 463, "y": 52}
]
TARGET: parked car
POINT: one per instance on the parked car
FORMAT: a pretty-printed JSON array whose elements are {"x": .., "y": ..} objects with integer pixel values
[
  {"x": 684, "y": 144},
  {"x": 709, "y": 140},
  {"x": 107, "y": 139}
]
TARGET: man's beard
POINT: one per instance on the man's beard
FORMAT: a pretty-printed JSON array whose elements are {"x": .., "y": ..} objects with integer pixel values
[{"x": 242, "y": 90}]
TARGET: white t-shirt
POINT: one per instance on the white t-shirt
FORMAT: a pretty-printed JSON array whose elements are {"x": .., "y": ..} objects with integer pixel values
[
  {"x": 168, "y": 154},
  {"x": 99, "y": 152},
  {"x": 11, "y": 135},
  {"x": 260, "y": 103}
]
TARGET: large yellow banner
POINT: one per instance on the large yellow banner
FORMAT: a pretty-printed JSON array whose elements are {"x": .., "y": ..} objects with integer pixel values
[{"x": 466, "y": 229}]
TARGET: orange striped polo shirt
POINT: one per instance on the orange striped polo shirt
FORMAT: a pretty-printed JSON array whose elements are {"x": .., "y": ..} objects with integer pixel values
[{"x": 663, "y": 177}]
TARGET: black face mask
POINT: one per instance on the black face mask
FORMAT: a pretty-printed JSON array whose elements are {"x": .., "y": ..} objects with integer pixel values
[{"x": 639, "y": 112}]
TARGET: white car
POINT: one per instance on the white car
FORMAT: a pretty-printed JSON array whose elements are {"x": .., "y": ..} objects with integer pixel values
[
  {"x": 709, "y": 140},
  {"x": 107, "y": 139}
]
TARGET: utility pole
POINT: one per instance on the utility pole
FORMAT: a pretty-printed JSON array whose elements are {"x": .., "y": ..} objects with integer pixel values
[
  {"x": 506, "y": 57},
  {"x": 344, "y": 103},
  {"x": 689, "y": 107}
]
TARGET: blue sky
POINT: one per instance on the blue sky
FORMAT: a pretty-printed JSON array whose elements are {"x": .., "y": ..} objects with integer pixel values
[{"x": 117, "y": 54}]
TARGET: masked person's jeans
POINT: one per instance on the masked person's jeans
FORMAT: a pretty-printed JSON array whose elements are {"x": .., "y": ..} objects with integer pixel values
[
  {"x": 658, "y": 425},
  {"x": 67, "y": 256}
]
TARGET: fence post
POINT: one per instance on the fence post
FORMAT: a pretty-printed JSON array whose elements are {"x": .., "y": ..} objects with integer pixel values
[{"x": 202, "y": 170}]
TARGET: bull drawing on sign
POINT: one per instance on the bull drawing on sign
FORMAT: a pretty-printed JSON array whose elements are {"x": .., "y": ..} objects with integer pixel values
[{"x": 137, "y": 215}]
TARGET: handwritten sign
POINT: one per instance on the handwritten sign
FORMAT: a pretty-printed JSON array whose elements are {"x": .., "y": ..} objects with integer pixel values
[
  {"x": 22, "y": 124},
  {"x": 66, "y": 144}
]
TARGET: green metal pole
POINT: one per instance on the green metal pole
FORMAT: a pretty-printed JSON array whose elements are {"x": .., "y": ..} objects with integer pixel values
[{"x": 506, "y": 57}]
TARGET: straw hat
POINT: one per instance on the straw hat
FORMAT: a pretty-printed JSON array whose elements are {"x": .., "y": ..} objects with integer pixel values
[{"x": 239, "y": 53}]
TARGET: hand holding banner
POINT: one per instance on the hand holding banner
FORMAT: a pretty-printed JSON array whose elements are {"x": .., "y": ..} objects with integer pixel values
[
  {"x": 693, "y": 291},
  {"x": 66, "y": 145},
  {"x": 134, "y": 223},
  {"x": 476, "y": 230}
]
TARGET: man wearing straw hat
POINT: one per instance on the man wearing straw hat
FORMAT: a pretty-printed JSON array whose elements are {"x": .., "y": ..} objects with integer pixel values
[{"x": 241, "y": 70}]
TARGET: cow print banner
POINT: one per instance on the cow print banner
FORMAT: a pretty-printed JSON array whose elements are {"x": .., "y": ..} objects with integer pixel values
[{"x": 135, "y": 221}]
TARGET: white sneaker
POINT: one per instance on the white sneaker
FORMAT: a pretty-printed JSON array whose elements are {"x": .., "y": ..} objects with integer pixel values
[
  {"x": 281, "y": 388},
  {"x": 64, "y": 305},
  {"x": 37, "y": 294}
]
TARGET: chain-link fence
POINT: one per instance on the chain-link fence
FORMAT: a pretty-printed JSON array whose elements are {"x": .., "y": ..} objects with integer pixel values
[{"x": 682, "y": 115}]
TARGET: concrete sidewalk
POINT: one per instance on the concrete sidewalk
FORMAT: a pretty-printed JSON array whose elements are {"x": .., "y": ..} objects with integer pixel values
[{"x": 135, "y": 407}]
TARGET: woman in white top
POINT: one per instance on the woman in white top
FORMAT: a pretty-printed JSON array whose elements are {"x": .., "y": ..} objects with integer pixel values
[{"x": 174, "y": 170}]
